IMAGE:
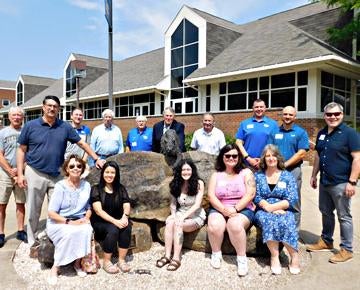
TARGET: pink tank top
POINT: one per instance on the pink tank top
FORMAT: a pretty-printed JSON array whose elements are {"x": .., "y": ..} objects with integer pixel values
[{"x": 230, "y": 190}]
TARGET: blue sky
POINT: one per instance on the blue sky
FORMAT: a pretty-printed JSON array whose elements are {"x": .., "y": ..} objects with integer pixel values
[{"x": 37, "y": 36}]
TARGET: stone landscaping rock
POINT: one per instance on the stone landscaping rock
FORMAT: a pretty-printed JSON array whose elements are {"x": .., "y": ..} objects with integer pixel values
[{"x": 45, "y": 251}]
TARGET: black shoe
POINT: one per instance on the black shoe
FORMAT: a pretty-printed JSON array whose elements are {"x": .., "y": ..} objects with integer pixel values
[
  {"x": 22, "y": 236},
  {"x": 2, "y": 240}
]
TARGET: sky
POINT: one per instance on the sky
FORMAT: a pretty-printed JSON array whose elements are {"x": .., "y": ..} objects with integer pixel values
[{"x": 37, "y": 36}]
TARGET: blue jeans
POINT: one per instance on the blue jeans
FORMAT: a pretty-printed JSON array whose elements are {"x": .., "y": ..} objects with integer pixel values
[{"x": 331, "y": 198}]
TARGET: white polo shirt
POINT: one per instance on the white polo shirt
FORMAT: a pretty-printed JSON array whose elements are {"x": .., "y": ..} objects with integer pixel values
[{"x": 208, "y": 142}]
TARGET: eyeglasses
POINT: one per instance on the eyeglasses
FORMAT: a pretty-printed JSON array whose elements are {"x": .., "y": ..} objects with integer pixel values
[
  {"x": 233, "y": 156},
  {"x": 335, "y": 114},
  {"x": 78, "y": 166}
]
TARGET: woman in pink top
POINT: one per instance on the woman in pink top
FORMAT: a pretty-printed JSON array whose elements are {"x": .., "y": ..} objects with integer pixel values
[{"x": 231, "y": 191}]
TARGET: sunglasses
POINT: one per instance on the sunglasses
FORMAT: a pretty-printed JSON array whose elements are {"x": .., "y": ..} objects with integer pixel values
[
  {"x": 78, "y": 166},
  {"x": 234, "y": 156},
  {"x": 336, "y": 114}
]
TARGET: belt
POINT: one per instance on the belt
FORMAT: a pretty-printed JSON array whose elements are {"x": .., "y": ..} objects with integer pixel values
[{"x": 103, "y": 156}]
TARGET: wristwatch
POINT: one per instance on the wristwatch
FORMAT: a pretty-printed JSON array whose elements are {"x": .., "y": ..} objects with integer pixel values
[
  {"x": 67, "y": 221},
  {"x": 352, "y": 182}
]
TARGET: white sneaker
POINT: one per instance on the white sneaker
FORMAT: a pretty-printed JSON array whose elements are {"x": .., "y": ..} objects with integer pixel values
[
  {"x": 242, "y": 266},
  {"x": 216, "y": 261}
]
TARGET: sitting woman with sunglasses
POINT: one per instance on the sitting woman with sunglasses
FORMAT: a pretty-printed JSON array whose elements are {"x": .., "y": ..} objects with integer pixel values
[
  {"x": 68, "y": 225},
  {"x": 231, "y": 191},
  {"x": 111, "y": 205}
]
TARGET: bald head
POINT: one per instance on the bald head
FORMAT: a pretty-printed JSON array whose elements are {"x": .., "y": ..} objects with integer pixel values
[{"x": 288, "y": 116}]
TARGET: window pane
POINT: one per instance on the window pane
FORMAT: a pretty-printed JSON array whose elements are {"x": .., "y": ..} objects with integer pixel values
[
  {"x": 177, "y": 37},
  {"x": 124, "y": 101},
  {"x": 222, "y": 88},
  {"x": 282, "y": 98},
  {"x": 327, "y": 79},
  {"x": 347, "y": 103},
  {"x": 326, "y": 97},
  {"x": 190, "y": 93},
  {"x": 191, "y": 54},
  {"x": 208, "y": 104},
  {"x": 283, "y": 80},
  {"x": 264, "y": 83},
  {"x": 176, "y": 78},
  {"x": 208, "y": 90},
  {"x": 339, "y": 83},
  {"x": 144, "y": 98},
  {"x": 189, "y": 107},
  {"x": 189, "y": 70},
  {"x": 339, "y": 97},
  {"x": 178, "y": 108},
  {"x": 302, "y": 78},
  {"x": 177, "y": 57},
  {"x": 145, "y": 110},
  {"x": 191, "y": 32},
  {"x": 222, "y": 103},
  {"x": 302, "y": 99},
  {"x": 236, "y": 102},
  {"x": 176, "y": 94},
  {"x": 237, "y": 86},
  {"x": 152, "y": 109},
  {"x": 152, "y": 97},
  {"x": 253, "y": 84},
  {"x": 265, "y": 97},
  {"x": 252, "y": 98}
]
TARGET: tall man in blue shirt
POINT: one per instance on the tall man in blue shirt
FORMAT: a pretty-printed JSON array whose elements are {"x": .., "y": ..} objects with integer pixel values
[
  {"x": 139, "y": 138},
  {"x": 293, "y": 142},
  {"x": 253, "y": 133},
  {"x": 337, "y": 158},
  {"x": 42, "y": 145}
]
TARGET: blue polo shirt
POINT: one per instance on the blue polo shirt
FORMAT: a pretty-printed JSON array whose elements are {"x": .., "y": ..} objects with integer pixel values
[
  {"x": 289, "y": 141},
  {"x": 334, "y": 151},
  {"x": 46, "y": 144},
  {"x": 140, "y": 141},
  {"x": 255, "y": 134}
]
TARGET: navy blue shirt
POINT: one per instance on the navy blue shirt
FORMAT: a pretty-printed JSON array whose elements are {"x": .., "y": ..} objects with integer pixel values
[
  {"x": 46, "y": 144},
  {"x": 334, "y": 151},
  {"x": 289, "y": 141}
]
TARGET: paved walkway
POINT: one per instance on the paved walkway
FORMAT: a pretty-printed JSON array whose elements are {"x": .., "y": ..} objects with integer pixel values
[{"x": 320, "y": 274}]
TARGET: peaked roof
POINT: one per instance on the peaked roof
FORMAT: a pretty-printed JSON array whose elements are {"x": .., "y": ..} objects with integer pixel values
[
  {"x": 7, "y": 85},
  {"x": 134, "y": 73},
  {"x": 92, "y": 60},
  {"x": 36, "y": 80}
]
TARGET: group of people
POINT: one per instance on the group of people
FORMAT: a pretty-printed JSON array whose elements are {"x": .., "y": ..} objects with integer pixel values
[{"x": 257, "y": 180}]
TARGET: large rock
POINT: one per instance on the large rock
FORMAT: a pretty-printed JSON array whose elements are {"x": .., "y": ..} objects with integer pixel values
[
  {"x": 146, "y": 177},
  {"x": 198, "y": 241},
  {"x": 45, "y": 251}
]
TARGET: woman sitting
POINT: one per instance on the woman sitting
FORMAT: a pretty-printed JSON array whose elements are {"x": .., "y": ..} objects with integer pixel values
[
  {"x": 276, "y": 193},
  {"x": 68, "y": 225},
  {"x": 187, "y": 215},
  {"x": 231, "y": 191},
  {"x": 111, "y": 206}
]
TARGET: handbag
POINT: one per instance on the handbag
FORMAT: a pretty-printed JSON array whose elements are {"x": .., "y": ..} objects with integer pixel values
[{"x": 90, "y": 263}]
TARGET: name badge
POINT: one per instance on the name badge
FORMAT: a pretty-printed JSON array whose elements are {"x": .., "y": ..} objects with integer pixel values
[
  {"x": 281, "y": 184},
  {"x": 134, "y": 144},
  {"x": 145, "y": 137},
  {"x": 279, "y": 136},
  {"x": 250, "y": 126},
  {"x": 266, "y": 125},
  {"x": 222, "y": 183},
  {"x": 322, "y": 137}
]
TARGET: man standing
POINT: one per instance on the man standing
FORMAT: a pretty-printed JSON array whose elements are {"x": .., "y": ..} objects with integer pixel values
[
  {"x": 293, "y": 143},
  {"x": 168, "y": 123},
  {"x": 106, "y": 139},
  {"x": 83, "y": 131},
  {"x": 139, "y": 138},
  {"x": 337, "y": 158},
  {"x": 208, "y": 139},
  {"x": 42, "y": 145},
  {"x": 8, "y": 174},
  {"x": 253, "y": 133}
]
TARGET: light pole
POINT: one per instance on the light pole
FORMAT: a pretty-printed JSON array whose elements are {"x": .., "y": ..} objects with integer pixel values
[
  {"x": 78, "y": 68},
  {"x": 108, "y": 16}
]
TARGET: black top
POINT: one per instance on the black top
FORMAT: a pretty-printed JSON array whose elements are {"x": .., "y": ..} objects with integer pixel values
[
  {"x": 111, "y": 203},
  {"x": 271, "y": 186}
]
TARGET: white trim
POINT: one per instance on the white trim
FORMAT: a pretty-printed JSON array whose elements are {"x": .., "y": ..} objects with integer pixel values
[
  {"x": 8, "y": 89},
  {"x": 274, "y": 66}
]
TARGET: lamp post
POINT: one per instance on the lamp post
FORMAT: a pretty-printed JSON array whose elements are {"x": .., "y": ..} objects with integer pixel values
[
  {"x": 108, "y": 16},
  {"x": 78, "y": 68}
]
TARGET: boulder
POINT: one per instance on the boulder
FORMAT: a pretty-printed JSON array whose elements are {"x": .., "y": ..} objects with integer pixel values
[
  {"x": 141, "y": 239},
  {"x": 45, "y": 251}
]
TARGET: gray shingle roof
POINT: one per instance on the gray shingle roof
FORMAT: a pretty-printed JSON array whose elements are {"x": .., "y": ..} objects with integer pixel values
[
  {"x": 141, "y": 71},
  {"x": 7, "y": 84},
  {"x": 36, "y": 80}
]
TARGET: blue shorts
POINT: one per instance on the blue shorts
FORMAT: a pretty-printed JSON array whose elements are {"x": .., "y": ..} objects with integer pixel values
[{"x": 246, "y": 212}]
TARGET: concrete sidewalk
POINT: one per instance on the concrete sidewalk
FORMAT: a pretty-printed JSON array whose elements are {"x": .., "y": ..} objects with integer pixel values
[{"x": 320, "y": 274}]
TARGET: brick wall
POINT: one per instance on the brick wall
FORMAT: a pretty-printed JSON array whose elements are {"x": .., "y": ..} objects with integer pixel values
[
  {"x": 7, "y": 94},
  {"x": 227, "y": 122}
]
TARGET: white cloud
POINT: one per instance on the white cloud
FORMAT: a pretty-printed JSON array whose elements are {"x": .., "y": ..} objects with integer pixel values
[{"x": 87, "y": 4}]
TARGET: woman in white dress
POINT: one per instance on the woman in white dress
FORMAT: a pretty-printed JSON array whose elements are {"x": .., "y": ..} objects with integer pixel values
[{"x": 68, "y": 224}]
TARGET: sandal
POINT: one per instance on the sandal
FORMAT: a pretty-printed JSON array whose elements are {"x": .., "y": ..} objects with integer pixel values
[
  {"x": 123, "y": 266},
  {"x": 174, "y": 265},
  {"x": 162, "y": 262},
  {"x": 110, "y": 268}
]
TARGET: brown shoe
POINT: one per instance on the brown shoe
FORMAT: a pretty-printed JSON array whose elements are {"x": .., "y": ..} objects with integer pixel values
[
  {"x": 321, "y": 245},
  {"x": 341, "y": 256}
]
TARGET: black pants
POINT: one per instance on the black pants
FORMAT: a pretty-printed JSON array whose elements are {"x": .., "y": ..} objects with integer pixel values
[{"x": 112, "y": 236}]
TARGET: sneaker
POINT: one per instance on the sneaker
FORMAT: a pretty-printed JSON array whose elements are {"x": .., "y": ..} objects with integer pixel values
[
  {"x": 321, "y": 245},
  {"x": 2, "y": 240},
  {"x": 216, "y": 261},
  {"x": 22, "y": 236},
  {"x": 242, "y": 263},
  {"x": 341, "y": 256}
]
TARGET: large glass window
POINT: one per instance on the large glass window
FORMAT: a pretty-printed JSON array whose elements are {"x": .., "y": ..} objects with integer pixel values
[
  {"x": 276, "y": 90},
  {"x": 20, "y": 94},
  {"x": 94, "y": 109},
  {"x": 128, "y": 106},
  {"x": 335, "y": 88},
  {"x": 31, "y": 115},
  {"x": 184, "y": 61},
  {"x": 70, "y": 82}
]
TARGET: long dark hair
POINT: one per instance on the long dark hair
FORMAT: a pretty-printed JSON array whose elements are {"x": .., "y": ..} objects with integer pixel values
[
  {"x": 220, "y": 165},
  {"x": 116, "y": 183},
  {"x": 178, "y": 181}
]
